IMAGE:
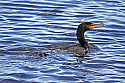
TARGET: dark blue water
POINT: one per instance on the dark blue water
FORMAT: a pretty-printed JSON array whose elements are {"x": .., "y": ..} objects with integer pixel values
[{"x": 31, "y": 25}]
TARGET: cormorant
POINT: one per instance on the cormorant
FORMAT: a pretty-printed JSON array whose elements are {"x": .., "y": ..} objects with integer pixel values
[{"x": 79, "y": 49}]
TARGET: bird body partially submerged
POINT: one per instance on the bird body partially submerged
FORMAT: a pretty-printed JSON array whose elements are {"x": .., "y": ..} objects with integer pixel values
[{"x": 79, "y": 49}]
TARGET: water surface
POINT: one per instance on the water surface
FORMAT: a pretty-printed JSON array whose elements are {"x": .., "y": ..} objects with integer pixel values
[{"x": 35, "y": 24}]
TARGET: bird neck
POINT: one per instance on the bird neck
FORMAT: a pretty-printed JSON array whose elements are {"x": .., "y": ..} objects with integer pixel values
[{"x": 82, "y": 28}]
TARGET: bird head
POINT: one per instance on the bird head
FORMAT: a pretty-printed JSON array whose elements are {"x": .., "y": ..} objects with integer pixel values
[{"x": 91, "y": 25}]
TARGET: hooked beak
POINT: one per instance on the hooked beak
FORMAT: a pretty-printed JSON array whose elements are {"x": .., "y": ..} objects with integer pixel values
[
  {"x": 96, "y": 25},
  {"x": 92, "y": 26}
]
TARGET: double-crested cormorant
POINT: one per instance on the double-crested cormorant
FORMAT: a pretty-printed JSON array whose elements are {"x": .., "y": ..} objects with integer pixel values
[
  {"x": 81, "y": 48},
  {"x": 78, "y": 49}
]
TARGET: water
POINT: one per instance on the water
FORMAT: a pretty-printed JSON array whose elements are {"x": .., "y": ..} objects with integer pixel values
[{"x": 34, "y": 24}]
